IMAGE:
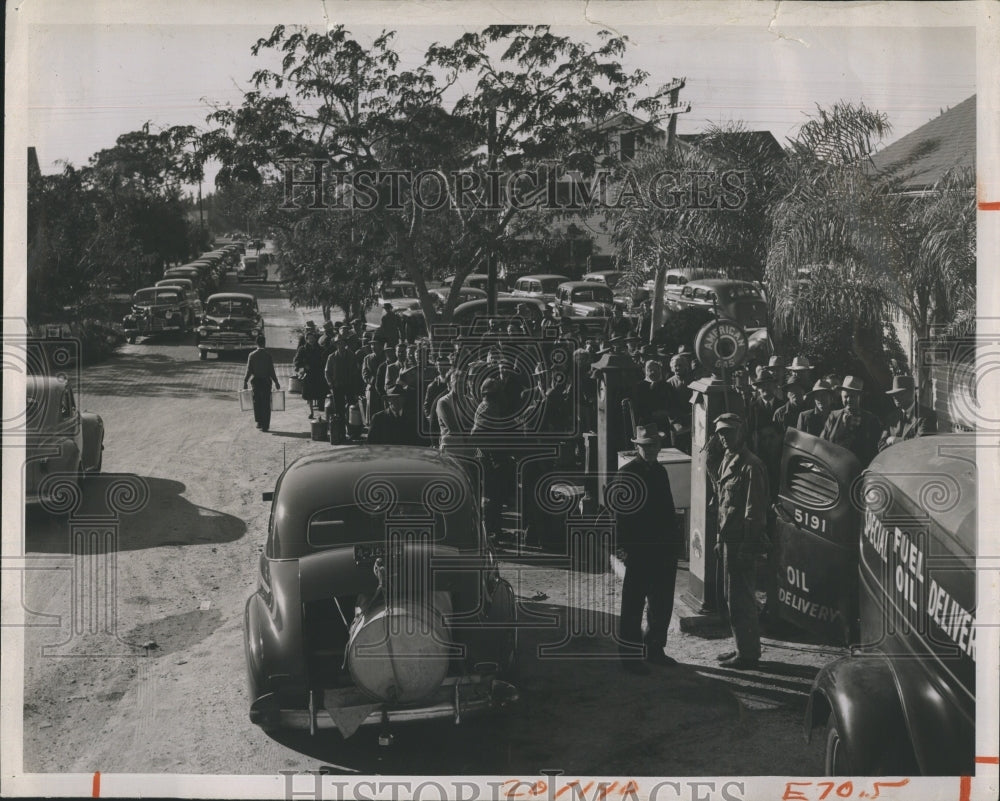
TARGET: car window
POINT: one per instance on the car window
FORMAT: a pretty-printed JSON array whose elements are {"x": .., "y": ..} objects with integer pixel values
[
  {"x": 687, "y": 292},
  {"x": 229, "y": 307},
  {"x": 397, "y": 292},
  {"x": 66, "y": 405},
  {"x": 340, "y": 526}
]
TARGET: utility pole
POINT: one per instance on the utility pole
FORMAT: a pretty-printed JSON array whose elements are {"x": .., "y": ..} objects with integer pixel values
[
  {"x": 674, "y": 90},
  {"x": 491, "y": 265}
]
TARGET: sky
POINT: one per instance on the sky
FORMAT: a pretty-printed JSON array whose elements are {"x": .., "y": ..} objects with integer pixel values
[{"x": 89, "y": 83}]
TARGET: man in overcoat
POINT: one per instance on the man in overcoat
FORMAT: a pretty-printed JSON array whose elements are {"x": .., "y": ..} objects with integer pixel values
[{"x": 650, "y": 540}]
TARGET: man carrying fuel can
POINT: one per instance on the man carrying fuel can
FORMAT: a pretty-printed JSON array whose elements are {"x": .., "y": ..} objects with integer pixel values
[{"x": 260, "y": 372}]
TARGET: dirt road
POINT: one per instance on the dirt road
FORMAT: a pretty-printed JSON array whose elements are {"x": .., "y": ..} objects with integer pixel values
[{"x": 134, "y": 659}]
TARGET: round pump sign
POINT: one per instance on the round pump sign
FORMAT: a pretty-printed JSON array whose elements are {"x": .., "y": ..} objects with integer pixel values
[{"x": 721, "y": 345}]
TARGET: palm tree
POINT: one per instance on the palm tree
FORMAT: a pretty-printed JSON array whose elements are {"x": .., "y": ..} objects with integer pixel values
[
  {"x": 871, "y": 247},
  {"x": 714, "y": 231}
]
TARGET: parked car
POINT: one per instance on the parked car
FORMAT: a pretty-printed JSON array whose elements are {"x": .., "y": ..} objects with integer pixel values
[
  {"x": 471, "y": 317},
  {"x": 197, "y": 274},
  {"x": 157, "y": 310},
  {"x": 253, "y": 267},
  {"x": 60, "y": 438},
  {"x": 584, "y": 302},
  {"x": 477, "y": 281},
  {"x": 740, "y": 301},
  {"x": 378, "y": 597},
  {"x": 190, "y": 294},
  {"x": 541, "y": 285},
  {"x": 232, "y": 322},
  {"x": 401, "y": 294},
  {"x": 609, "y": 278},
  {"x": 904, "y": 702},
  {"x": 413, "y": 318}
]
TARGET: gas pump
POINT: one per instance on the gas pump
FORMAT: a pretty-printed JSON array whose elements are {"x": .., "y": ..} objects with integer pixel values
[
  {"x": 616, "y": 374},
  {"x": 721, "y": 346}
]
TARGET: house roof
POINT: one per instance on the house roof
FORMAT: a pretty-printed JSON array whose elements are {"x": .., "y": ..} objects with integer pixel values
[
  {"x": 764, "y": 140},
  {"x": 923, "y": 156}
]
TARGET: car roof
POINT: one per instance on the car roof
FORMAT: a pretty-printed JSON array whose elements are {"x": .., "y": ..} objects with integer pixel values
[
  {"x": 604, "y": 272},
  {"x": 543, "y": 277},
  {"x": 397, "y": 283},
  {"x": 920, "y": 469},
  {"x": 45, "y": 390},
  {"x": 505, "y": 300},
  {"x": 577, "y": 284},
  {"x": 230, "y": 296},
  {"x": 333, "y": 478},
  {"x": 716, "y": 283},
  {"x": 177, "y": 281}
]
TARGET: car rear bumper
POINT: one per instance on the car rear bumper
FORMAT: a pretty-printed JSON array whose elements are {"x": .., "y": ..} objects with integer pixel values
[{"x": 347, "y": 709}]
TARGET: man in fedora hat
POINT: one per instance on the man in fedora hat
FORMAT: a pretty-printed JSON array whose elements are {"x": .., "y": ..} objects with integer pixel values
[
  {"x": 618, "y": 325},
  {"x": 493, "y": 426},
  {"x": 651, "y": 397},
  {"x": 777, "y": 367},
  {"x": 852, "y": 427},
  {"x": 650, "y": 541},
  {"x": 679, "y": 402},
  {"x": 764, "y": 435},
  {"x": 812, "y": 420},
  {"x": 787, "y": 416},
  {"x": 801, "y": 370},
  {"x": 741, "y": 488},
  {"x": 390, "y": 326},
  {"x": 909, "y": 419},
  {"x": 393, "y": 426},
  {"x": 435, "y": 389}
]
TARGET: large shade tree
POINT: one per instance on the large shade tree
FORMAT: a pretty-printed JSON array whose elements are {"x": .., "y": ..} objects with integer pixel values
[{"x": 506, "y": 98}]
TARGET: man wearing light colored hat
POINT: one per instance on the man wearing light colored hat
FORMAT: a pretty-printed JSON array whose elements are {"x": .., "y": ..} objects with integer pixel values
[
  {"x": 679, "y": 401},
  {"x": 852, "y": 427},
  {"x": 801, "y": 370},
  {"x": 909, "y": 419},
  {"x": 741, "y": 487},
  {"x": 650, "y": 541}
]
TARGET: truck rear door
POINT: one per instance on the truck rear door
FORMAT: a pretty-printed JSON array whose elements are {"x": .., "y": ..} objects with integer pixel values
[{"x": 816, "y": 529}]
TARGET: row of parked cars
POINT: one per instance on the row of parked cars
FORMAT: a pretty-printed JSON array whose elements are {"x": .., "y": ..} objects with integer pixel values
[
  {"x": 185, "y": 300},
  {"x": 589, "y": 301}
]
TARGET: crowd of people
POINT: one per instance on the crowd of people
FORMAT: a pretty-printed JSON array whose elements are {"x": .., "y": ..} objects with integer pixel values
[{"x": 491, "y": 396}]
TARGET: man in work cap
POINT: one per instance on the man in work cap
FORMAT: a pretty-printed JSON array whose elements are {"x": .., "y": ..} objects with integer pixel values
[{"x": 743, "y": 499}]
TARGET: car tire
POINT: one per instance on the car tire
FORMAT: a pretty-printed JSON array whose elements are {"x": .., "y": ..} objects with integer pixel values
[
  {"x": 130, "y": 339},
  {"x": 203, "y": 355},
  {"x": 835, "y": 762}
]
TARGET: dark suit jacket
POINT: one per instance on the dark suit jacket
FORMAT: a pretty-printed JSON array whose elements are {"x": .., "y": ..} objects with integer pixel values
[
  {"x": 917, "y": 421},
  {"x": 387, "y": 429},
  {"x": 648, "y": 528},
  {"x": 862, "y": 441},
  {"x": 812, "y": 422}
]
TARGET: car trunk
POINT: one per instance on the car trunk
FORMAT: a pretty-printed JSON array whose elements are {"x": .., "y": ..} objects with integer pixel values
[{"x": 334, "y": 584}]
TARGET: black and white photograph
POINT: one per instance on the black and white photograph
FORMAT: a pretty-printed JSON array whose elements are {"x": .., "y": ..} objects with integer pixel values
[{"x": 583, "y": 400}]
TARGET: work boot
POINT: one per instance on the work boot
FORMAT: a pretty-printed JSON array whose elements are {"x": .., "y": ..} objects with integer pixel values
[{"x": 740, "y": 663}]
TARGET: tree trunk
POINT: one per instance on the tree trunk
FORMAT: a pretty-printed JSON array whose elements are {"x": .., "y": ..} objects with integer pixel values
[{"x": 657, "y": 310}]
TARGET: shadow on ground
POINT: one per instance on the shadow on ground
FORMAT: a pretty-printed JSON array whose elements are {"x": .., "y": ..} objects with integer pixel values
[{"x": 163, "y": 518}]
